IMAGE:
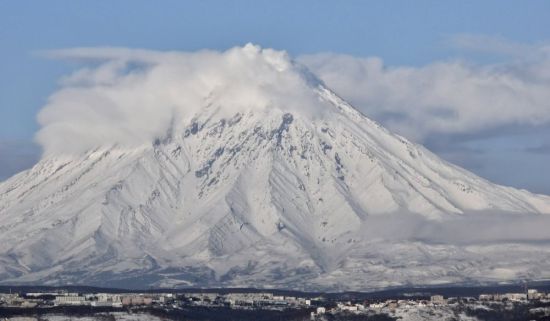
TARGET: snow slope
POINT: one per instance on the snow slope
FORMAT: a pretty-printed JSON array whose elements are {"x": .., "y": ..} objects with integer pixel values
[{"x": 261, "y": 197}]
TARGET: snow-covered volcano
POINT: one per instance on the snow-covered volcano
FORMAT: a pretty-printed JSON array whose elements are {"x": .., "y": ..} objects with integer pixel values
[{"x": 288, "y": 195}]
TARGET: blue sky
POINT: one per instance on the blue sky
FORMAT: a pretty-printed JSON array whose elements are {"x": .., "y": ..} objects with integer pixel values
[{"x": 483, "y": 35}]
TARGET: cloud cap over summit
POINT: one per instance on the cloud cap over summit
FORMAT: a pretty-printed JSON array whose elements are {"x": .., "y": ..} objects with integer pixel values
[{"x": 130, "y": 97}]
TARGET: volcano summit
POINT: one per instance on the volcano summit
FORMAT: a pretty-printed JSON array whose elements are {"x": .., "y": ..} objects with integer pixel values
[{"x": 239, "y": 169}]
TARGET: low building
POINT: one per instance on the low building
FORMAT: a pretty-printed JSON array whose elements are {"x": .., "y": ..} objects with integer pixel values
[
  {"x": 498, "y": 297},
  {"x": 485, "y": 297},
  {"x": 136, "y": 300},
  {"x": 533, "y": 294},
  {"x": 377, "y": 305},
  {"x": 438, "y": 299},
  {"x": 352, "y": 308},
  {"x": 70, "y": 300},
  {"x": 516, "y": 296}
]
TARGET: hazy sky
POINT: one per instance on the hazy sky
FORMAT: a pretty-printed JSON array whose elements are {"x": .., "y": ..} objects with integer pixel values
[{"x": 469, "y": 79}]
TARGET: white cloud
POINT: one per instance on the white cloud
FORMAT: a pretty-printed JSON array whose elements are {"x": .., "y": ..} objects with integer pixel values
[
  {"x": 448, "y": 97},
  {"x": 131, "y": 97},
  {"x": 469, "y": 228}
]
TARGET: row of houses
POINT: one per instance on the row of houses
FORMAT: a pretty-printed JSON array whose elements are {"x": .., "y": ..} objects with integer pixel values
[
  {"x": 531, "y": 294},
  {"x": 112, "y": 300},
  {"x": 377, "y": 307},
  {"x": 243, "y": 300},
  {"x": 234, "y": 300},
  {"x": 435, "y": 301},
  {"x": 31, "y": 300}
]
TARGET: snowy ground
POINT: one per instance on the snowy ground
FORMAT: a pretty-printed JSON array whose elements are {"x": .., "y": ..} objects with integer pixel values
[
  {"x": 98, "y": 317},
  {"x": 429, "y": 314}
]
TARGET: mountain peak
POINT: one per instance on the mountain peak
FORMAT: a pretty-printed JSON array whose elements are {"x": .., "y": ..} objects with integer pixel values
[{"x": 239, "y": 169}]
